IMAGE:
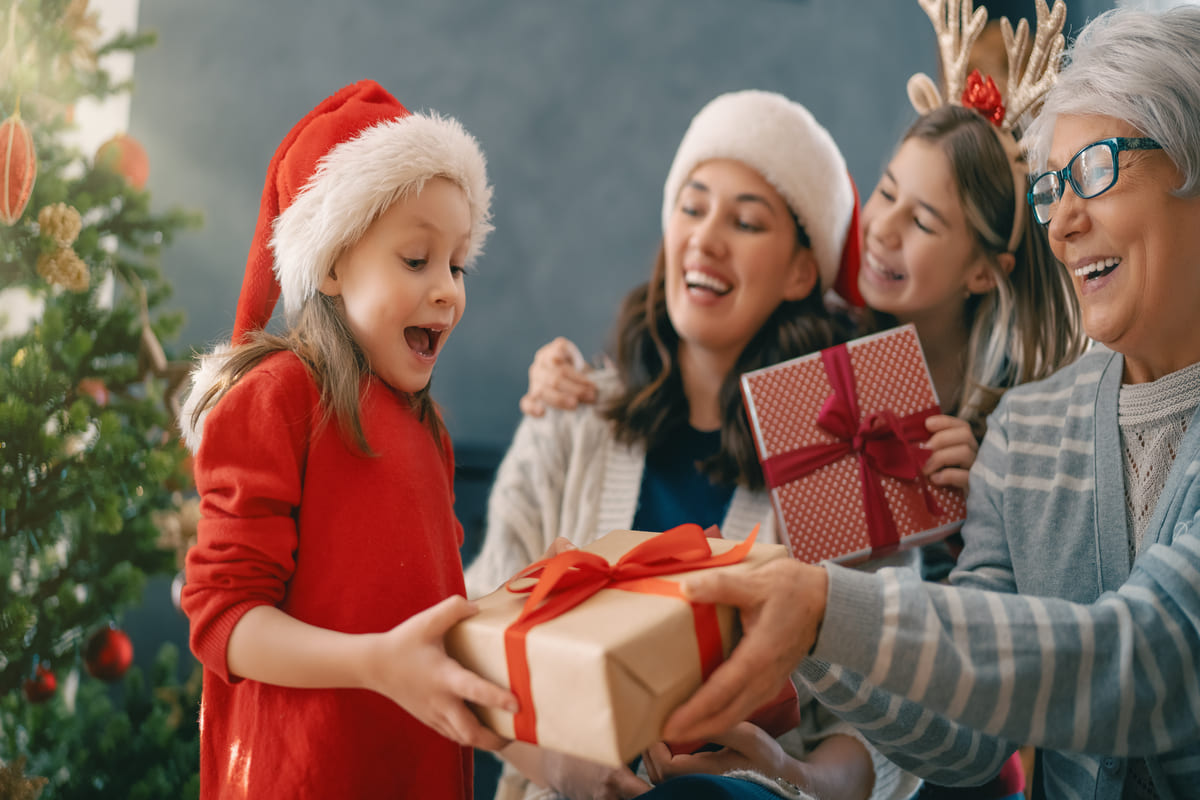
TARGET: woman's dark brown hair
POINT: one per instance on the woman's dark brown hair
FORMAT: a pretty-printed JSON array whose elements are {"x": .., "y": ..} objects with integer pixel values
[{"x": 651, "y": 406}]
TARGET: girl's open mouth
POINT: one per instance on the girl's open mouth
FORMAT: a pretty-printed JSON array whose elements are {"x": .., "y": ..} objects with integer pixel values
[{"x": 423, "y": 341}]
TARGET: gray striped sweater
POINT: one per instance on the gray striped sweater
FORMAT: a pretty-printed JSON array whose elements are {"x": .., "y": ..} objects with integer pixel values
[{"x": 1070, "y": 649}]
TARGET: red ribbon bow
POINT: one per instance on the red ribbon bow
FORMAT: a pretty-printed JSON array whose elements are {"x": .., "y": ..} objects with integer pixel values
[
  {"x": 884, "y": 442},
  {"x": 983, "y": 96},
  {"x": 564, "y": 581}
]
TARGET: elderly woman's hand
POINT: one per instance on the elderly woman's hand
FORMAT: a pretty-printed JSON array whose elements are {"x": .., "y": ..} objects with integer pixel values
[{"x": 782, "y": 604}]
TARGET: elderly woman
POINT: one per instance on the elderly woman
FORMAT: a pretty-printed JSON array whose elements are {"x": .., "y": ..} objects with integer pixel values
[{"x": 1074, "y": 620}]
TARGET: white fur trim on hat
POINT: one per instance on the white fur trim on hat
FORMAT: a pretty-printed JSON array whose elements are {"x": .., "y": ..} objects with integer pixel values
[
  {"x": 784, "y": 142},
  {"x": 358, "y": 180}
]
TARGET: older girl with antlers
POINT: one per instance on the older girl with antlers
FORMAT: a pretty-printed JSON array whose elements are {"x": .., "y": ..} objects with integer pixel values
[{"x": 1073, "y": 620}]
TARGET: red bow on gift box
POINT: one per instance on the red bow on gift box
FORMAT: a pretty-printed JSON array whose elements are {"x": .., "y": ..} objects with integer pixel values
[
  {"x": 564, "y": 581},
  {"x": 885, "y": 444}
]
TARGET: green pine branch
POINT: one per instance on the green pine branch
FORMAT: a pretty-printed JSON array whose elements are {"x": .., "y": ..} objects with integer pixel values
[{"x": 88, "y": 454}]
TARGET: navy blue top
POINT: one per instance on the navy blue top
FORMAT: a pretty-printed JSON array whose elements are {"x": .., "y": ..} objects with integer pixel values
[{"x": 674, "y": 491}]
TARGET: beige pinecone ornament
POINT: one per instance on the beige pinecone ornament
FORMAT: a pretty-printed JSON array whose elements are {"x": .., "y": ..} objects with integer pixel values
[
  {"x": 60, "y": 223},
  {"x": 64, "y": 268}
]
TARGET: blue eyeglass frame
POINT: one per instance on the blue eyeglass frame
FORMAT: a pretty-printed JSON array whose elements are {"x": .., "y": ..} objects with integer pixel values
[{"x": 1116, "y": 145}]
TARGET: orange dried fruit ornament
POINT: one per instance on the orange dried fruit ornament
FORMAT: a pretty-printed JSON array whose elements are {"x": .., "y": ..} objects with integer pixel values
[{"x": 18, "y": 167}]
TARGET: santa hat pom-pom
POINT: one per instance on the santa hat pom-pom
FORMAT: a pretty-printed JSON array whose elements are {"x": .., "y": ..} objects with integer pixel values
[{"x": 204, "y": 377}]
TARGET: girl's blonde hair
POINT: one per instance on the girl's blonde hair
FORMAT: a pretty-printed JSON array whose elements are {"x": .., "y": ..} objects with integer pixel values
[
  {"x": 1030, "y": 326},
  {"x": 321, "y": 339}
]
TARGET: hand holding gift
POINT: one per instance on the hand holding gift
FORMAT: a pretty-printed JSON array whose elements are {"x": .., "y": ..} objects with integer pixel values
[
  {"x": 952, "y": 450},
  {"x": 744, "y": 746},
  {"x": 781, "y": 605},
  {"x": 844, "y": 439},
  {"x": 605, "y": 646},
  {"x": 431, "y": 686}
]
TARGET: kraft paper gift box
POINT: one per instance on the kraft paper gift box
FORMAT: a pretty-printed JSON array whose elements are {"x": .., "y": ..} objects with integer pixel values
[
  {"x": 604, "y": 675},
  {"x": 839, "y": 436}
]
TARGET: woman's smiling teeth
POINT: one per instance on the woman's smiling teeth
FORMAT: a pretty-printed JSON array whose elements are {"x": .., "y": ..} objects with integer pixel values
[
  {"x": 1097, "y": 268},
  {"x": 695, "y": 279}
]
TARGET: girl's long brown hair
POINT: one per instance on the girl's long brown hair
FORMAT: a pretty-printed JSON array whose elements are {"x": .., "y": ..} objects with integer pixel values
[
  {"x": 1030, "y": 326},
  {"x": 323, "y": 342},
  {"x": 652, "y": 406}
]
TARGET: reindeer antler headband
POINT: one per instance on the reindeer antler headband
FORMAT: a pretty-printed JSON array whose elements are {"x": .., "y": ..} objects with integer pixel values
[{"x": 958, "y": 24}]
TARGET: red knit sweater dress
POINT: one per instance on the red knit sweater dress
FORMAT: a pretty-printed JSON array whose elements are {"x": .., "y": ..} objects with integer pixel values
[{"x": 294, "y": 517}]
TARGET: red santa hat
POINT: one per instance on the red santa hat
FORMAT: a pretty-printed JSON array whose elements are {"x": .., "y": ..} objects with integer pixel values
[
  {"x": 340, "y": 167},
  {"x": 784, "y": 142}
]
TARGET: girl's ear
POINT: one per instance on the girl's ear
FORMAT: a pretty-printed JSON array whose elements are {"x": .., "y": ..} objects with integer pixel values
[
  {"x": 802, "y": 275},
  {"x": 331, "y": 284},
  {"x": 982, "y": 277}
]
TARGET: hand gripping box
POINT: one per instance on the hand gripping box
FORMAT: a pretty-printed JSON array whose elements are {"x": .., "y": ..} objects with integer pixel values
[
  {"x": 840, "y": 436},
  {"x": 600, "y": 662}
]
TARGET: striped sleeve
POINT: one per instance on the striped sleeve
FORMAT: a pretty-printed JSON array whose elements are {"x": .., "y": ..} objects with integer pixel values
[
  {"x": 946, "y": 680},
  {"x": 1116, "y": 676}
]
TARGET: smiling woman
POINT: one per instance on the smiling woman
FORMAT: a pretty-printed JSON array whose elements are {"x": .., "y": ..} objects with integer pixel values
[{"x": 1130, "y": 244}]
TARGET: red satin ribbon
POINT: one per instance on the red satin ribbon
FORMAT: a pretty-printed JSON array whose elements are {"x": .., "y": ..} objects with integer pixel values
[
  {"x": 884, "y": 443},
  {"x": 569, "y": 578}
]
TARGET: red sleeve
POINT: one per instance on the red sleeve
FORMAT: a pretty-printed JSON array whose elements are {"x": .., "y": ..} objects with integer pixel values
[{"x": 248, "y": 471}]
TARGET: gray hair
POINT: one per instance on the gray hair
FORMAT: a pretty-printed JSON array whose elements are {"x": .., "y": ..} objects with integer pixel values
[{"x": 1138, "y": 66}]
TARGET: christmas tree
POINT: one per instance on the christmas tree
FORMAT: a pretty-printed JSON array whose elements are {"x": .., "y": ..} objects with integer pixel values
[{"x": 90, "y": 463}]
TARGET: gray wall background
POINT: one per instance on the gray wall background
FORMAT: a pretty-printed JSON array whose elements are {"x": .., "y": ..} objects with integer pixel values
[{"x": 579, "y": 105}]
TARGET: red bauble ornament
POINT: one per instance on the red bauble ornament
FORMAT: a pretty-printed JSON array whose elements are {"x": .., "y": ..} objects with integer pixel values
[
  {"x": 18, "y": 168},
  {"x": 125, "y": 155},
  {"x": 42, "y": 686},
  {"x": 95, "y": 389},
  {"x": 108, "y": 654}
]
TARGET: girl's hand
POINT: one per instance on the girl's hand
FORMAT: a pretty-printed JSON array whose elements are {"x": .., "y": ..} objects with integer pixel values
[
  {"x": 746, "y": 746},
  {"x": 953, "y": 451},
  {"x": 557, "y": 378},
  {"x": 409, "y": 665}
]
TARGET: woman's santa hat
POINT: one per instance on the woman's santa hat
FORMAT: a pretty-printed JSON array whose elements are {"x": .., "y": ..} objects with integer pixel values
[
  {"x": 341, "y": 166},
  {"x": 795, "y": 154}
]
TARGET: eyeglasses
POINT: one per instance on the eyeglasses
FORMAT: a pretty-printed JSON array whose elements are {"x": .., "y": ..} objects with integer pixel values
[{"x": 1091, "y": 172}]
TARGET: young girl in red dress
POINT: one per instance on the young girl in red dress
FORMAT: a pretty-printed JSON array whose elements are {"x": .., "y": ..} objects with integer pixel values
[{"x": 327, "y": 567}]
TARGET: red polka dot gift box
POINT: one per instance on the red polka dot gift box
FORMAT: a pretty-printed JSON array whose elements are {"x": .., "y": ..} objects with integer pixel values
[{"x": 840, "y": 437}]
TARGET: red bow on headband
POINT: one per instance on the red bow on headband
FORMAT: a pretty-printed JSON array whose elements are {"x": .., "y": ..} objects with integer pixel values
[{"x": 982, "y": 95}]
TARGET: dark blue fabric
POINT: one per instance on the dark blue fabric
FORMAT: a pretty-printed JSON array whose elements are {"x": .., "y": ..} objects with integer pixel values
[
  {"x": 673, "y": 491},
  {"x": 708, "y": 787}
]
